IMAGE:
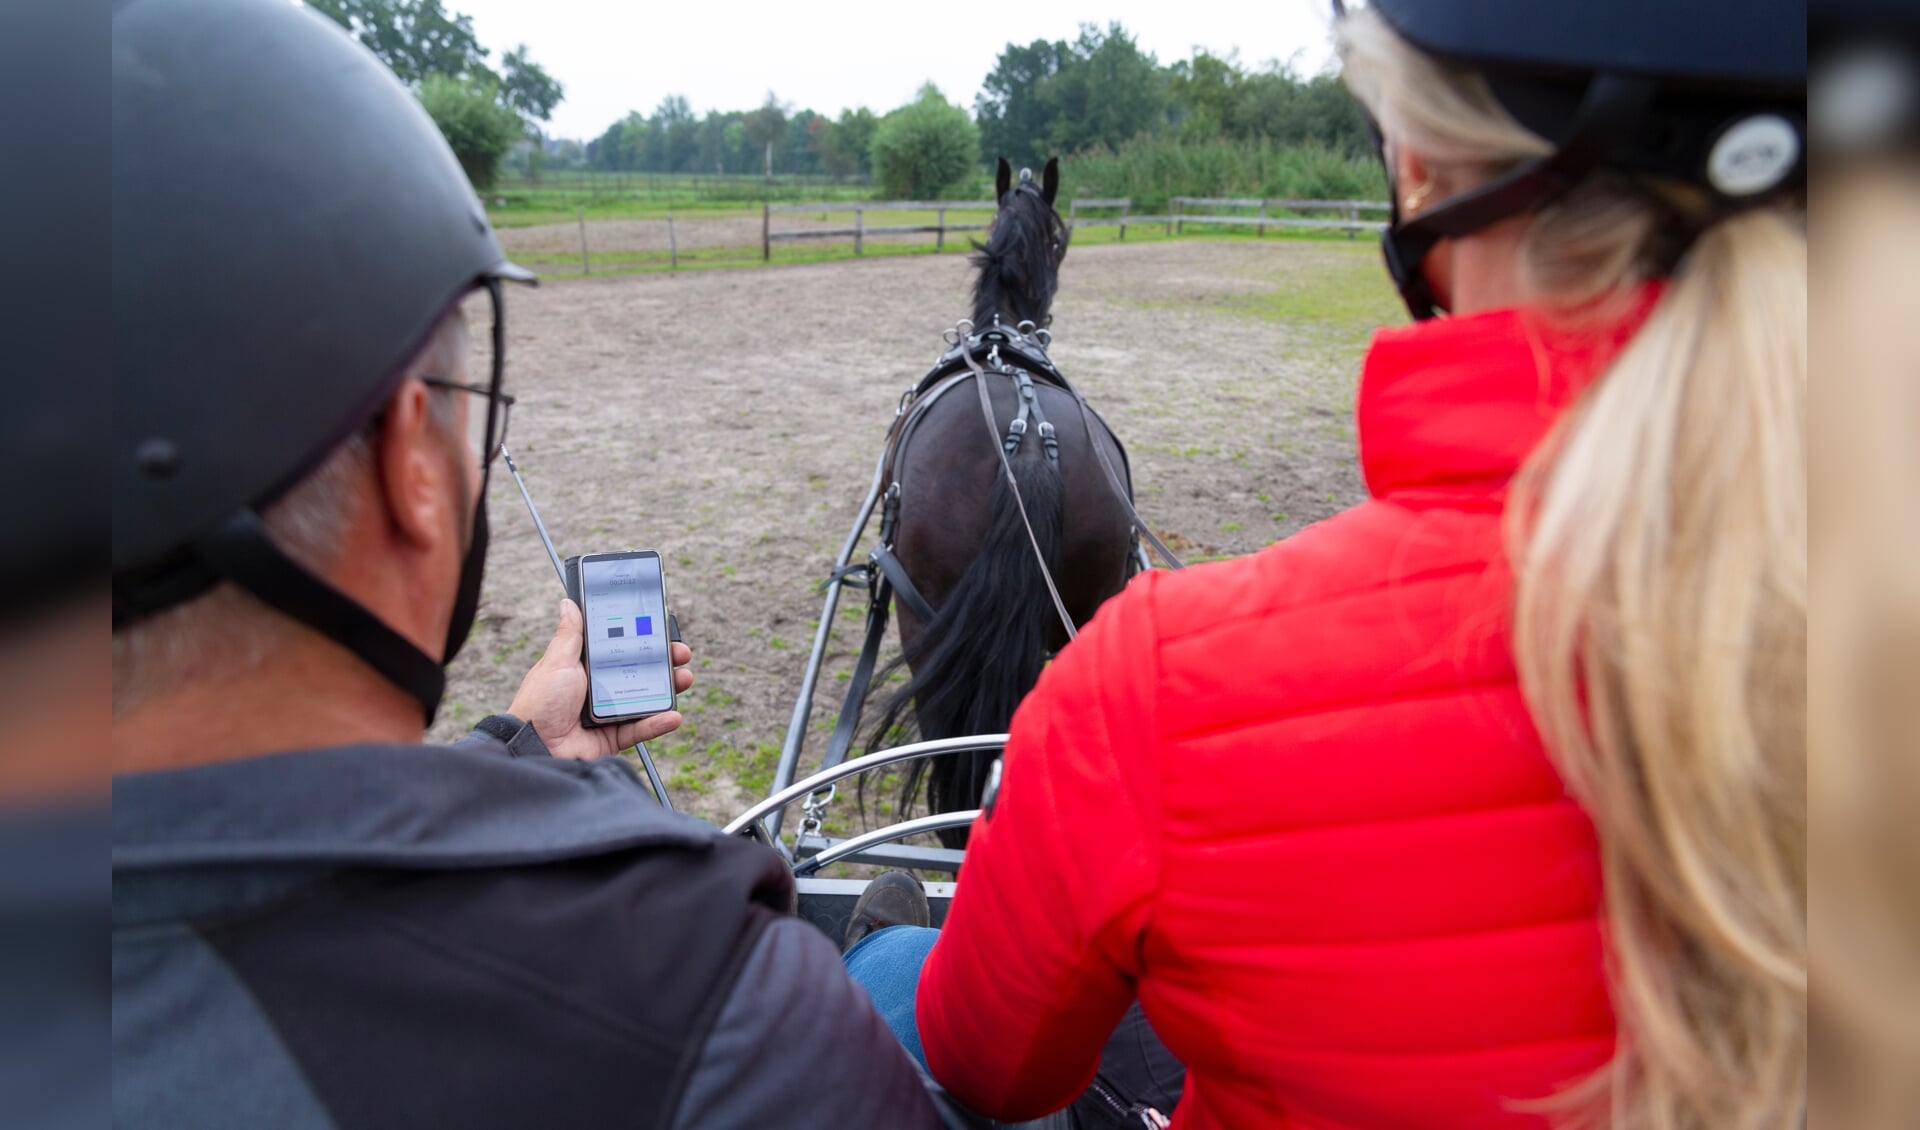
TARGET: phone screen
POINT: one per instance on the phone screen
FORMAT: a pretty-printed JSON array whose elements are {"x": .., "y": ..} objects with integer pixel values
[{"x": 624, "y": 604}]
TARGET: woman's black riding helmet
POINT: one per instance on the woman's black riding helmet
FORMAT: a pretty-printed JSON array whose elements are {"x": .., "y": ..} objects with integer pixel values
[
  {"x": 1703, "y": 92},
  {"x": 288, "y": 228}
]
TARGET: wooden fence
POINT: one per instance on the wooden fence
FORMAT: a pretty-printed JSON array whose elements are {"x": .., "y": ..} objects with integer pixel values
[
  {"x": 860, "y": 231},
  {"x": 1181, "y": 211},
  {"x": 1124, "y": 203}
]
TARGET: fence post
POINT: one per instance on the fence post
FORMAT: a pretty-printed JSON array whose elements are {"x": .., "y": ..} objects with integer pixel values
[
  {"x": 766, "y": 233},
  {"x": 1262, "y": 229},
  {"x": 1126, "y": 209},
  {"x": 586, "y": 267},
  {"x": 673, "y": 247},
  {"x": 1353, "y": 220},
  {"x": 859, "y": 229},
  {"x": 940, "y": 237},
  {"x": 1179, "y": 216},
  {"x": 1073, "y": 210}
]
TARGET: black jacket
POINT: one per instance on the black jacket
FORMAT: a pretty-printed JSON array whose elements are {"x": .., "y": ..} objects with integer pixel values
[{"x": 470, "y": 936}]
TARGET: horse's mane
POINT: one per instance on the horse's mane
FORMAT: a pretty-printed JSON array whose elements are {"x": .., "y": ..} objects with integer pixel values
[{"x": 1020, "y": 262}]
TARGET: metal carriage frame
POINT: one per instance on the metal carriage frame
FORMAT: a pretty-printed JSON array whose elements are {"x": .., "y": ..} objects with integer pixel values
[{"x": 1020, "y": 354}]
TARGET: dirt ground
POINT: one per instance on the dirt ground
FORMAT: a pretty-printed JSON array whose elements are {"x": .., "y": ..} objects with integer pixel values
[{"x": 730, "y": 420}]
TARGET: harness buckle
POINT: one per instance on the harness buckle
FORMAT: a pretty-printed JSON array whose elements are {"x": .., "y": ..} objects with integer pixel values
[
  {"x": 1049, "y": 440},
  {"x": 851, "y": 576},
  {"x": 889, "y": 512},
  {"x": 1015, "y": 432}
]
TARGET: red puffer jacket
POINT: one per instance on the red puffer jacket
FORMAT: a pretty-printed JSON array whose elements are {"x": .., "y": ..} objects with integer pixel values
[{"x": 1295, "y": 803}]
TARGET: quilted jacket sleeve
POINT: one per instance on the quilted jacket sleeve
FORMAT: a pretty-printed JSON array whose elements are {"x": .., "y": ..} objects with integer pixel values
[{"x": 1041, "y": 948}]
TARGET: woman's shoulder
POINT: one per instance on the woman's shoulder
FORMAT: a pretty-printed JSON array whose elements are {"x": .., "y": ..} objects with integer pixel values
[{"x": 1367, "y": 547}]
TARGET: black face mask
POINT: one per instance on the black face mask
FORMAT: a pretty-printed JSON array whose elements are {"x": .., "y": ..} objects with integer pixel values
[{"x": 466, "y": 604}]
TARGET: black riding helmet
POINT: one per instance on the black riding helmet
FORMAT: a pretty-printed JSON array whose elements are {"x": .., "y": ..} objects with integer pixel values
[
  {"x": 288, "y": 228},
  {"x": 1698, "y": 91}
]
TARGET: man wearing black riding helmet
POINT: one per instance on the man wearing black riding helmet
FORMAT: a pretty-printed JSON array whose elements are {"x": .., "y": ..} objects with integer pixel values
[{"x": 319, "y": 920}]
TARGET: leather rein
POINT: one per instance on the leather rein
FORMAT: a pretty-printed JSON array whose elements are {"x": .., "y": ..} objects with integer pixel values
[{"x": 1019, "y": 354}]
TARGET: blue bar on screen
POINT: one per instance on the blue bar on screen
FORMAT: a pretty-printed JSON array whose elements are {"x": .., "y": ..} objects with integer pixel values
[{"x": 643, "y": 625}]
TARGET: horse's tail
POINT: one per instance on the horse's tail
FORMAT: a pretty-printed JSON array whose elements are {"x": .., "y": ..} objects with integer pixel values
[{"x": 986, "y": 645}]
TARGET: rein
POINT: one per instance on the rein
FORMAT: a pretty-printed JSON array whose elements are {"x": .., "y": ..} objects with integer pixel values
[
  {"x": 1028, "y": 348},
  {"x": 1001, "y": 449},
  {"x": 1020, "y": 354}
]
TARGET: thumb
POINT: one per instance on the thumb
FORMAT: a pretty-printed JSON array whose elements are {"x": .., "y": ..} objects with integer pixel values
[{"x": 566, "y": 635}]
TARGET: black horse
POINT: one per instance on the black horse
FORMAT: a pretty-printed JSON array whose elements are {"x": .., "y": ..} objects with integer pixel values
[{"x": 959, "y": 531}]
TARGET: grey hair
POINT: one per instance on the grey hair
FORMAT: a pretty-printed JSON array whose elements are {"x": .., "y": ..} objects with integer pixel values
[{"x": 226, "y": 631}]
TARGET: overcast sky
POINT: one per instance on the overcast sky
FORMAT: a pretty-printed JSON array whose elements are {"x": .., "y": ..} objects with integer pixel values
[{"x": 619, "y": 55}]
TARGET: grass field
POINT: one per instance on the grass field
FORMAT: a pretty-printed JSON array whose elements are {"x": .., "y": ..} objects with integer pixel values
[
  {"x": 729, "y": 237},
  {"x": 559, "y": 196}
]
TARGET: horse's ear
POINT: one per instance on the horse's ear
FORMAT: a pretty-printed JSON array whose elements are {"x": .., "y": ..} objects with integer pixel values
[
  {"x": 1003, "y": 180},
  {"x": 1050, "y": 180}
]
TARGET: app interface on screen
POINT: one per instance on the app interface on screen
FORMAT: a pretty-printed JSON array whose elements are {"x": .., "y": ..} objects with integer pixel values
[{"x": 627, "y": 658}]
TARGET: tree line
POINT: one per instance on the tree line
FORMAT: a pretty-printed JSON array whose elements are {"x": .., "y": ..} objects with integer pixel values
[
  {"x": 1101, "y": 92},
  {"x": 480, "y": 109},
  {"x": 1097, "y": 97},
  {"x": 1096, "y": 94},
  {"x": 770, "y": 138}
]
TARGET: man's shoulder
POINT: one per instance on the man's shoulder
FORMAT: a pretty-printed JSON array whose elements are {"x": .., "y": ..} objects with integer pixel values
[
  {"x": 518, "y": 946},
  {"x": 395, "y": 806}
]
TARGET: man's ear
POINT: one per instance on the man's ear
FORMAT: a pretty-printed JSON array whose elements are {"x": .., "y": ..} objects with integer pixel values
[
  {"x": 1050, "y": 180},
  {"x": 411, "y": 468},
  {"x": 1002, "y": 182}
]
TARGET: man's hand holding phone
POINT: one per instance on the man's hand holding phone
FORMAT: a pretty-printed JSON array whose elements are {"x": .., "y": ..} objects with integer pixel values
[{"x": 551, "y": 696}]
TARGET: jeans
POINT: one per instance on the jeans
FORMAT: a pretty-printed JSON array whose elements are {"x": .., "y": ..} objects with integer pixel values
[{"x": 886, "y": 963}]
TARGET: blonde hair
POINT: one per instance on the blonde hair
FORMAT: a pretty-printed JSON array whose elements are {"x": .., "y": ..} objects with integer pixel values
[{"x": 1658, "y": 537}]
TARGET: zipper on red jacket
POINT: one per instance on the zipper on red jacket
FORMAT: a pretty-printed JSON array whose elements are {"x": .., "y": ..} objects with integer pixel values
[{"x": 1131, "y": 1114}]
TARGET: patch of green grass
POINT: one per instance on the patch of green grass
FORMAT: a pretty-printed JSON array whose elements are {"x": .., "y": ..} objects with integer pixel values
[
  {"x": 559, "y": 195},
  {"x": 1347, "y": 291},
  {"x": 777, "y": 644}
]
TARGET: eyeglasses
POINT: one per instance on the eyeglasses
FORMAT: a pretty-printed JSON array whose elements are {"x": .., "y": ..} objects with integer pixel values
[{"x": 488, "y": 445}]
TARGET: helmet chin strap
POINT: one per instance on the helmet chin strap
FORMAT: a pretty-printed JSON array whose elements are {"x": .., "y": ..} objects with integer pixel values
[
  {"x": 241, "y": 551},
  {"x": 1613, "y": 108}
]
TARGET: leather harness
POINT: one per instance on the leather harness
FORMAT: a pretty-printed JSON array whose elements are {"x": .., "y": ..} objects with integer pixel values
[{"x": 1020, "y": 355}]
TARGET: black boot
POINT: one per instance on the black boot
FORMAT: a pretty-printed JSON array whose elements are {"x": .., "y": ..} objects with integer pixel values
[{"x": 894, "y": 899}]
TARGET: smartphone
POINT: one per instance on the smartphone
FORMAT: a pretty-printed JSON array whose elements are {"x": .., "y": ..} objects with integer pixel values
[{"x": 627, "y": 650}]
